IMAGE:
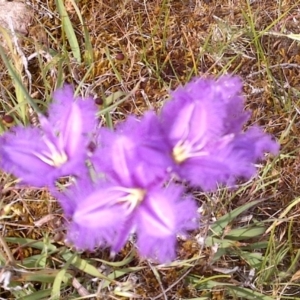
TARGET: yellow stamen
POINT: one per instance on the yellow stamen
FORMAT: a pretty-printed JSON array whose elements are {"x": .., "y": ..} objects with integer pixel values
[
  {"x": 180, "y": 153},
  {"x": 55, "y": 157},
  {"x": 133, "y": 198}
]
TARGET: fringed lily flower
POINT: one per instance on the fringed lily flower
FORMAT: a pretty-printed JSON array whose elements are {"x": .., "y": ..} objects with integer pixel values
[
  {"x": 107, "y": 214},
  {"x": 131, "y": 200},
  {"x": 39, "y": 156},
  {"x": 203, "y": 125},
  {"x": 96, "y": 216},
  {"x": 143, "y": 145}
]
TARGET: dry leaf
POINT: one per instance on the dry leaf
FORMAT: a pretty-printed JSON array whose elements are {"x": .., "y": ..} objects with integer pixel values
[{"x": 296, "y": 276}]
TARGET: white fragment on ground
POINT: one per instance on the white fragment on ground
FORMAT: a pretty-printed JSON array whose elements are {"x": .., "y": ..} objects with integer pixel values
[{"x": 16, "y": 12}]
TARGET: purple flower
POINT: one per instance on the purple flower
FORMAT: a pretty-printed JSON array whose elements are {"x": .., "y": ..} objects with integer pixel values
[
  {"x": 130, "y": 200},
  {"x": 203, "y": 125},
  {"x": 137, "y": 147},
  {"x": 162, "y": 216},
  {"x": 95, "y": 215},
  {"x": 39, "y": 156}
]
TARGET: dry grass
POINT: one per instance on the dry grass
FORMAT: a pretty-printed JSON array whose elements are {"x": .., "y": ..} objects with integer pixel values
[{"x": 153, "y": 46}]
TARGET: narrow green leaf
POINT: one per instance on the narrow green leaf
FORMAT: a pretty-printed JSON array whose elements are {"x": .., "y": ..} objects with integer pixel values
[
  {"x": 247, "y": 294},
  {"x": 30, "y": 242},
  {"x": 118, "y": 264},
  {"x": 255, "y": 246},
  {"x": 57, "y": 284},
  {"x": 116, "y": 104},
  {"x": 86, "y": 267},
  {"x": 34, "y": 261},
  {"x": 113, "y": 97},
  {"x": 240, "y": 234},
  {"x": 185, "y": 263},
  {"x": 220, "y": 252},
  {"x": 17, "y": 81},
  {"x": 41, "y": 294},
  {"x": 220, "y": 224},
  {"x": 253, "y": 259},
  {"x": 211, "y": 241},
  {"x": 118, "y": 75},
  {"x": 120, "y": 273},
  {"x": 83, "y": 265},
  {"x": 210, "y": 283},
  {"x": 45, "y": 276},
  {"x": 113, "y": 106},
  {"x": 69, "y": 30},
  {"x": 60, "y": 278},
  {"x": 294, "y": 36},
  {"x": 88, "y": 53}
]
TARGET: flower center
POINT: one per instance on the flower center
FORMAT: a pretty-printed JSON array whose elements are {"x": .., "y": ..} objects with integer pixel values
[
  {"x": 136, "y": 195},
  {"x": 54, "y": 157},
  {"x": 186, "y": 149},
  {"x": 133, "y": 198},
  {"x": 59, "y": 158},
  {"x": 180, "y": 153}
]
